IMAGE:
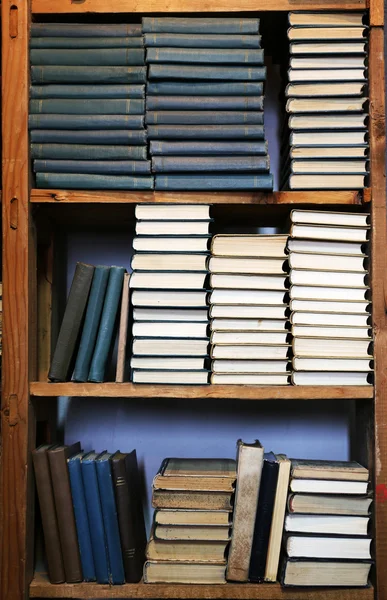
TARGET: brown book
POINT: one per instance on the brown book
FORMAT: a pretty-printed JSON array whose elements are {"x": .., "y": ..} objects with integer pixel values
[
  {"x": 195, "y": 500},
  {"x": 130, "y": 513},
  {"x": 196, "y": 474},
  {"x": 47, "y": 510},
  {"x": 179, "y": 550},
  {"x": 57, "y": 457},
  {"x": 123, "y": 330}
]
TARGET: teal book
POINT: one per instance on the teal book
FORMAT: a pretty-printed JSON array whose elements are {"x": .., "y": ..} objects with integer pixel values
[
  {"x": 85, "y": 30},
  {"x": 107, "y": 325},
  {"x": 212, "y": 56},
  {"x": 91, "y": 324},
  {"x": 87, "y": 137},
  {"x": 178, "y": 164},
  {"x": 199, "y": 25},
  {"x": 84, "y": 75},
  {"x": 87, "y": 106},
  {"x": 87, "y": 152},
  {"x": 243, "y": 103},
  {"x": 204, "y": 117},
  {"x": 87, "y": 91},
  {"x": 231, "y": 182},
  {"x": 78, "y": 181},
  {"x": 96, "y": 57},
  {"x": 108, "y": 167},
  {"x": 206, "y": 40},
  {"x": 203, "y": 132},
  {"x": 208, "y": 148},
  {"x": 237, "y": 73},
  {"x": 66, "y": 43},
  {"x": 202, "y": 88},
  {"x": 54, "y": 121}
]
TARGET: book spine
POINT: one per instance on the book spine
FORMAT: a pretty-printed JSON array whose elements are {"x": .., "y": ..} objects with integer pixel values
[
  {"x": 97, "y": 57},
  {"x": 94, "y": 514},
  {"x": 203, "y": 132},
  {"x": 85, "y": 152},
  {"x": 87, "y": 91},
  {"x": 108, "y": 167},
  {"x": 123, "y": 333},
  {"x": 82, "y": 523},
  {"x": 157, "y": 71},
  {"x": 182, "y": 40},
  {"x": 203, "y": 117},
  {"x": 207, "y": 148},
  {"x": 204, "y": 102},
  {"x": 214, "y": 182},
  {"x": 107, "y": 324},
  {"x": 54, "y": 121},
  {"x": 84, "y": 75},
  {"x": 109, "y": 514},
  {"x": 71, "y": 323},
  {"x": 205, "y": 55},
  {"x": 79, "y": 181},
  {"x": 229, "y": 88},
  {"x": 200, "y": 25},
  {"x": 176, "y": 164},
  {"x": 85, "y": 30},
  {"x": 68, "y": 43},
  {"x": 89, "y": 138},
  {"x": 79, "y": 106}
]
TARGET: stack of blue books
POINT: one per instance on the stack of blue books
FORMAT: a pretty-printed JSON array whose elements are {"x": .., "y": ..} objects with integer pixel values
[
  {"x": 87, "y": 106},
  {"x": 204, "y": 110}
]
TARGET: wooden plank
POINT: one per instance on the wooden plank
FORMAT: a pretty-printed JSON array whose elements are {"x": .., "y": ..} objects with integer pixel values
[
  {"x": 17, "y": 491},
  {"x": 238, "y": 392},
  {"x": 376, "y": 12},
  {"x": 379, "y": 296}
]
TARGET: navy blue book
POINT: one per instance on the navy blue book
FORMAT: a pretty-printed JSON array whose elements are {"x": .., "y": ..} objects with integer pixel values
[
  {"x": 110, "y": 518},
  {"x": 204, "y": 102},
  {"x": 54, "y": 121},
  {"x": 90, "y": 138},
  {"x": 87, "y": 42},
  {"x": 214, "y": 182},
  {"x": 108, "y": 167},
  {"x": 179, "y": 164},
  {"x": 206, "y": 40},
  {"x": 97, "y": 57},
  {"x": 202, "y": 88},
  {"x": 208, "y": 148},
  {"x": 205, "y": 132},
  {"x": 95, "y": 519},
  {"x": 87, "y": 152},
  {"x": 162, "y": 71},
  {"x": 80, "y": 513},
  {"x": 199, "y": 25},
  {"x": 79, "y": 181},
  {"x": 87, "y": 91},
  {"x": 87, "y": 106},
  {"x": 203, "y": 117},
  {"x": 84, "y": 75},
  {"x": 213, "y": 56},
  {"x": 85, "y": 30}
]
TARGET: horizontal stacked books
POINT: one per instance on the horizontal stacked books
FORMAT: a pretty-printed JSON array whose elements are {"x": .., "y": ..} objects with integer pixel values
[
  {"x": 92, "y": 515},
  {"x": 204, "y": 109},
  {"x": 331, "y": 324},
  {"x": 192, "y": 523},
  {"x": 250, "y": 340},
  {"x": 87, "y": 106},
  {"x": 169, "y": 279},
  {"x": 327, "y": 101},
  {"x": 327, "y": 525}
]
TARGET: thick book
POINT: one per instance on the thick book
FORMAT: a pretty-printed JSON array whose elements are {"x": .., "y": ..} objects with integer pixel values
[
  {"x": 169, "y": 329},
  {"x": 68, "y": 43},
  {"x": 332, "y": 331},
  {"x": 296, "y": 75},
  {"x": 204, "y": 103},
  {"x": 160, "y": 363},
  {"x": 329, "y": 504},
  {"x": 203, "y": 88},
  {"x": 331, "y": 378},
  {"x": 61, "y": 121},
  {"x": 326, "y": 105},
  {"x": 107, "y": 323},
  {"x": 357, "y": 365},
  {"x": 249, "y": 282},
  {"x": 99, "y": 167},
  {"x": 80, "y": 513},
  {"x": 123, "y": 331},
  {"x": 303, "y": 546},
  {"x": 171, "y": 244},
  {"x": 250, "y": 352},
  {"x": 170, "y": 347},
  {"x": 83, "y": 75},
  {"x": 173, "y": 299},
  {"x": 328, "y": 121},
  {"x": 196, "y": 474},
  {"x": 327, "y": 278},
  {"x": 193, "y": 72},
  {"x": 71, "y": 323},
  {"x": 163, "y": 227},
  {"x": 57, "y": 458},
  {"x": 329, "y": 19},
  {"x": 328, "y": 262},
  {"x": 85, "y": 30},
  {"x": 324, "y": 90},
  {"x": 298, "y": 572},
  {"x": 76, "y": 152},
  {"x": 224, "y": 311},
  {"x": 250, "y": 266},
  {"x": 202, "y": 518},
  {"x": 334, "y": 152},
  {"x": 189, "y": 533},
  {"x": 181, "y": 550},
  {"x": 331, "y": 486},
  {"x": 213, "y": 164},
  {"x": 253, "y": 325},
  {"x": 214, "y": 182},
  {"x": 327, "y": 33},
  {"x": 331, "y": 319},
  {"x": 164, "y": 281},
  {"x": 87, "y": 106},
  {"x": 192, "y": 500},
  {"x": 92, "y": 138},
  {"x": 213, "y": 56},
  {"x": 330, "y": 219},
  {"x": 321, "y": 246},
  {"x": 327, "y": 524},
  {"x": 277, "y": 338},
  {"x": 205, "y": 132},
  {"x": 204, "y": 117},
  {"x": 242, "y": 297},
  {"x": 335, "y": 62},
  {"x": 331, "y": 139},
  {"x": 252, "y": 367},
  {"x": 305, "y": 292},
  {"x": 332, "y": 348},
  {"x": 156, "y": 571},
  {"x": 87, "y": 91},
  {"x": 329, "y": 47},
  {"x": 207, "y": 148},
  {"x": 314, "y": 231},
  {"x": 249, "y": 469},
  {"x": 169, "y": 262},
  {"x": 249, "y": 245},
  {"x": 168, "y": 212},
  {"x": 128, "y": 494},
  {"x": 95, "y": 57},
  {"x": 250, "y": 379},
  {"x": 199, "y": 25},
  {"x": 205, "y": 40},
  {"x": 80, "y": 181},
  {"x": 170, "y": 377},
  {"x": 44, "y": 488}
]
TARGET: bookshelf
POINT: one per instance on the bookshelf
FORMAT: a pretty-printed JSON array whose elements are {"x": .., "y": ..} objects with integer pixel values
[{"x": 28, "y": 399}]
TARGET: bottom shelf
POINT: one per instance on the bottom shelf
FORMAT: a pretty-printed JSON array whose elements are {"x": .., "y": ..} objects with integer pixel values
[{"x": 41, "y": 588}]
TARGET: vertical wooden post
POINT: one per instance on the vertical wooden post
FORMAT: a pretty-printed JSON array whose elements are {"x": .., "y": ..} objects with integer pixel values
[{"x": 18, "y": 318}]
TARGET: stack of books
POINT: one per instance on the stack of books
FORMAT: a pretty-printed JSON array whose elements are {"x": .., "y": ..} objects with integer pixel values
[
  {"x": 169, "y": 280},
  {"x": 327, "y": 540},
  {"x": 250, "y": 339},
  {"x": 205, "y": 98},
  {"x": 327, "y": 101},
  {"x": 87, "y": 106},
  {"x": 92, "y": 514},
  {"x": 331, "y": 324},
  {"x": 192, "y": 523}
]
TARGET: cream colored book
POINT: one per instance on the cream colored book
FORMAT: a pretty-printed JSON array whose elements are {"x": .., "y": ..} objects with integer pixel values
[
  {"x": 326, "y": 19},
  {"x": 248, "y": 266},
  {"x": 172, "y": 227},
  {"x": 314, "y": 231},
  {"x": 330, "y": 218},
  {"x": 185, "y": 551},
  {"x": 331, "y": 331},
  {"x": 248, "y": 282},
  {"x": 249, "y": 366},
  {"x": 197, "y": 474},
  {"x": 250, "y": 379},
  {"x": 192, "y": 533},
  {"x": 254, "y": 245},
  {"x": 173, "y": 212},
  {"x": 184, "y": 572},
  {"x": 327, "y": 573},
  {"x": 169, "y": 262},
  {"x": 159, "y": 298},
  {"x": 331, "y": 348},
  {"x": 328, "y": 278},
  {"x": 330, "y": 378},
  {"x": 202, "y": 518},
  {"x": 248, "y": 324},
  {"x": 327, "y": 262},
  {"x": 327, "y": 33},
  {"x": 338, "y": 47},
  {"x": 173, "y": 281}
]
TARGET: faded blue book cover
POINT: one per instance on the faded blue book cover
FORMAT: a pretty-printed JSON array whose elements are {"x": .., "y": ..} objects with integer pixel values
[
  {"x": 108, "y": 167},
  {"x": 93, "y": 137},
  {"x": 178, "y": 164},
  {"x": 78, "y": 181},
  {"x": 86, "y": 42},
  {"x": 203, "y": 117},
  {"x": 205, "y": 132},
  {"x": 85, "y": 30},
  {"x": 205, "y": 40},
  {"x": 87, "y": 91},
  {"x": 207, "y": 148},
  {"x": 87, "y": 152},
  {"x": 199, "y": 25},
  {"x": 87, "y": 106},
  {"x": 214, "y": 182},
  {"x": 193, "y": 102},
  {"x": 213, "y": 56},
  {"x": 203, "y": 88},
  {"x": 96, "y": 57},
  {"x": 84, "y": 75},
  {"x": 53, "y": 121},
  {"x": 237, "y": 73}
]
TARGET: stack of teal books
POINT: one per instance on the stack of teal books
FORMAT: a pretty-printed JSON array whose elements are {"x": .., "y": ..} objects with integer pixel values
[
  {"x": 87, "y": 106},
  {"x": 204, "y": 106}
]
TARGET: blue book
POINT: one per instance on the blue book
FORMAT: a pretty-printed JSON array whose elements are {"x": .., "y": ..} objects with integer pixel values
[
  {"x": 108, "y": 167},
  {"x": 95, "y": 519},
  {"x": 87, "y": 106},
  {"x": 87, "y": 91},
  {"x": 90, "y": 138},
  {"x": 84, "y": 75},
  {"x": 202, "y": 88},
  {"x": 54, "y": 121},
  {"x": 213, "y": 56},
  {"x": 110, "y": 518},
  {"x": 203, "y": 117},
  {"x": 206, "y": 40},
  {"x": 107, "y": 324},
  {"x": 203, "y": 72},
  {"x": 87, "y": 152},
  {"x": 204, "y": 103},
  {"x": 97, "y": 57},
  {"x": 199, "y": 25},
  {"x": 80, "y": 513},
  {"x": 85, "y": 30},
  {"x": 214, "y": 182},
  {"x": 203, "y": 132},
  {"x": 79, "y": 181},
  {"x": 87, "y": 42},
  {"x": 208, "y": 148},
  {"x": 178, "y": 164}
]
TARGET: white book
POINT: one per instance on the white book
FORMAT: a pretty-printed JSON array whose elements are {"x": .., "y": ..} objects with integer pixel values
[
  {"x": 327, "y": 75},
  {"x": 357, "y": 365},
  {"x": 328, "y": 486},
  {"x": 327, "y": 573},
  {"x": 331, "y": 348},
  {"x": 319, "y": 167},
  {"x": 305, "y": 292},
  {"x": 248, "y": 282},
  {"x": 249, "y": 379},
  {"x": 343, "y": 152},
  {"x": 169, "y": 299},
  {"x": 326, "y": 547},
  {"x": 169, "y": 262},
  {"x": 331, "y": 319},
  {"x": 171, "y": 244},
  {"x": 250, "y": 352},
  {"x": 328, "y": 278},
  {"x": 167, "y": 364},
  {"x": 317, "y": 232},
  {"x": 224, "y": 311},
  {"x": 325, "y": 105},
  {"x": 327, "y": 48},
  {"x": 173, "y": 212},
  {"x": 327, "y": 247},
  {"x": 316, "y": 331},
  {"x": 330, "y": 218},
  {"x": 170, "y": 347},
  {"x": 326, "y": 19},
  {"x": 248, "y": 324},
  {"x": 254, "y": 245},
  {"x": 247, "y": 297},
  {"x": 361, "y": 307},
  {"x": 169, "y": 329},
  {"x": 172, "y": 227},
  {"x": 170, "y": 314},
  {"x": 326, "y": 182},
  {"x": 249, "y": 366},
  {"x": 335, "y": 524},
  {"x": 264, "y": 266},
  {"x": 249, "y": 337},
  {"x": 314, "y": 121},
  {"x": 327, "y": 33},
  {"x": 332, "y": 138},
  {"x": 329, "y": 378},
  {"x": 334, "y": 62},
  {"x": 163, "y": 281},
  {"x": 171, "y": 377},
  {"x": 327, "y": 262}
]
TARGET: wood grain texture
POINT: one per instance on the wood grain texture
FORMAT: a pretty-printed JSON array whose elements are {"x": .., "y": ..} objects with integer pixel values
[
  {"x": 379, "y": 296},
  {"x": 376, "y": 12}
]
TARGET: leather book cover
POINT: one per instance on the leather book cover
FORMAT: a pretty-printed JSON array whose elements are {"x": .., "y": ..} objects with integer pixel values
[
  {"x": 56, "y": 572},
  {"x": 57, "y": 458}
]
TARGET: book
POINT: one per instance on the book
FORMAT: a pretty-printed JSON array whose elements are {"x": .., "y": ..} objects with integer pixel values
[
  {"x": 169, "y": 262},
  {"x": 207, "y": 148},
  {"x": 328, "y": 182},
  {"x": 75, "y": 152},
  {"x": 123, "y": 330},
  {"x": 109, "y": 167},
  {"x": 177, "y": 299},
  {"x": 156, "y": 571},
  {"x": 44, "y": 488},
  {"x": 324, "y": 105},
  {"x": 250, "y": 337},
  {"x": 358, "y": 365},
  {"x": 171, "y": 244},
  {"x": 87, "y": 74},
  {"x": 192, "y": 500},
  {"x": 249, "y": 379},
  {"x": 204, "y": 117},
  {"x": 204, "y": 40},
  {"x": 327, "y": 262},
  {"x": 238, "y": 265},
  {"x": 93, "y": 138},
  {"x": 328, "y": 547},
  {"x": 249, "y": 469},
  {"x": 224, "y": 311},
  {"x": 57, "y": 458},
  {"x": 317, "y": 48},
  {"x": 249, "y": 366},
  {"x": 318, "y": 232},
  {"x": 167, "y": 212},
  {"x": 171, "y": 377},
  {"x": 328, "y": 278},
  {"x": 249, "y": 282},
  {"x": 331, "y": 331},
  {"x": 329, "y": 504},
  {"x": 329, "y": 378},
  {"x": 181, "y": 228},
  {"x": 86, "y": 42},
  {"x": 358, "y": 167},
  {"x": 87, "y": 91},
  {"x": 87, "y": 106},
  {"x": 186, "y": 551},
  {"x": 71, "y": 323},
  {"x": 327, "y": 33},
  {"x": 213, "y": 56},
  {"x": 329, "y": 19},
  {"x": 169, "y": 280},
  {"x": 53, "y": 121},
  {"x": 305, "y": 292},
  {"x": 339, "y": 219},
  {"x": 203, "y": 88},
  {"x": 193, "y": 164},
  {"x": 94, "y": 182},
  {"x": 167, "y": 364},
  {"x": 170, "y": 314},
  {"x": 177, "y": 103},
  {"x": 334, "y": 247},
  {"x": 187, "y": 517},
  {"x": 85, "y": 30},
  {"x": 189, "y": 533},
  {"x": 336, "y": 525},
  {"x": 199, "y": 25},
  {"x": 241, "y": 297},
  {"x": 204, "y": 132},
  {"x": 325, "y": 573},
  {"x": 250, "y": 352},
  {"x": 331, "y": 319},
  {"x": 327, "y": 75},
  {"x": 333, "y": 138},
  {"x": 170, "y": 347},
  {"x": 170, "y": 329},
  {"x": 234, "y": 245},
  {"x": 335, "y": 62},
  {"x": 324, "y": 486},
  {"x": 332, "y": 152},
  {"x": 196, "y": 474},
  {"x": 323, "y": 90},
  {"x": 248, "y": 325},
  {"x": 218, "y": 72},
  {"x": 97, "y": 57},
  {"x": 332, "y": 348}
]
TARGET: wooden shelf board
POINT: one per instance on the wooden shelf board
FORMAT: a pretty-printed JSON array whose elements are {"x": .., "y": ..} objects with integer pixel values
[{"x": 238, "y": 392}]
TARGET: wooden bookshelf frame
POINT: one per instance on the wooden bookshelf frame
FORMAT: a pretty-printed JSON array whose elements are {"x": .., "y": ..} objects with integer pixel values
[{"x": 25, "y": 394}]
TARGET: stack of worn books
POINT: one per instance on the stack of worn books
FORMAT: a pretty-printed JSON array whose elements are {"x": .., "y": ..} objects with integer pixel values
[
  {"x": 87, "y": 106},
  {"x": 204, "y": 110},
  {"x": 192, "y": 522}
]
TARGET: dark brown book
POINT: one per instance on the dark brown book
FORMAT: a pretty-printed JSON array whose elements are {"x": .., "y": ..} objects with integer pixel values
[
  {"x": 57, "y": 457},
  {"x": 56, "y": 572},
  {"x": 131, "y": 522}
]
